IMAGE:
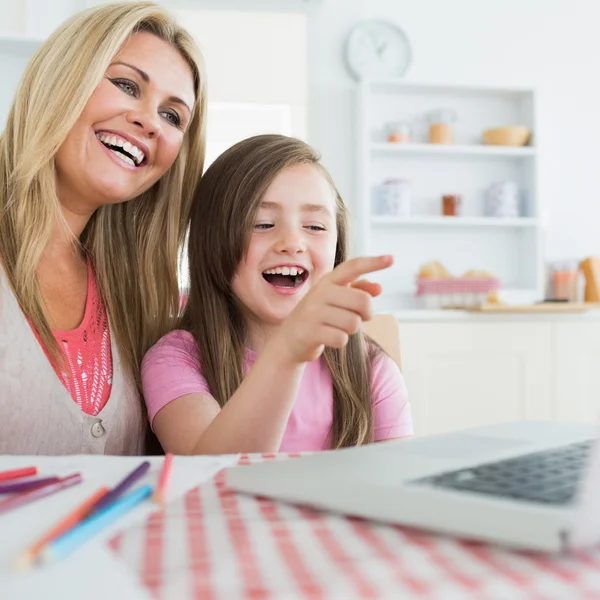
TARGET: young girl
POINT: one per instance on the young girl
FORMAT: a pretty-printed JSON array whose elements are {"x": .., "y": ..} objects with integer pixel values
[{"x": 270, "y": 356}]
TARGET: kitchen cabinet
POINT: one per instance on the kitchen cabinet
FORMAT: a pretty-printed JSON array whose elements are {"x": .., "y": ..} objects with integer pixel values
[
  {"x": 576, "y": 374},
  {"x": 465, "y": 373}
]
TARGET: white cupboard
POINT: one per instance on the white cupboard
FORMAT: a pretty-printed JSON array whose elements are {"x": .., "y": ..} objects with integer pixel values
[
  {"x": 467, "y": 374},
  {"x": 576, "y": 350}
]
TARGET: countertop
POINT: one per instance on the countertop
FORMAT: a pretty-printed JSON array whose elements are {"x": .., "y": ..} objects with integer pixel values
[{"x": 453, "y": 315}]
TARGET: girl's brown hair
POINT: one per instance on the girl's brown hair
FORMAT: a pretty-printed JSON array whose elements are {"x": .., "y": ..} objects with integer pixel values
[{"x": 222, "y": 217}]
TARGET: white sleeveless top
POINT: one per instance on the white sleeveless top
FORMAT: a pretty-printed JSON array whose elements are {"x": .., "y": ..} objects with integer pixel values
[{"x": 37, "y": 413}]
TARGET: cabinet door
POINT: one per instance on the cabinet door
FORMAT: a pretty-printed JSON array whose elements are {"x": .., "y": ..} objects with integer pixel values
[
  {"x": 462, "y": 375},
  {"x": 577, "y": 372}
]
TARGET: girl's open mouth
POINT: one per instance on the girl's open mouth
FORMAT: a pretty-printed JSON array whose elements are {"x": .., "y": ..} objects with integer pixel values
[{"x": 285, "y": 277}]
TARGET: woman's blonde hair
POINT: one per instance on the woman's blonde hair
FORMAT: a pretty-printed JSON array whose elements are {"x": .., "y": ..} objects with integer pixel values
[
  {"x": 133, "y": 245},
  {"x": 222, "y": 219}
]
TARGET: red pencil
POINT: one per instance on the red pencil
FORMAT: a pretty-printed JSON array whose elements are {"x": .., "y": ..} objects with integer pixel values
[
  {"x": 18, "y": 473},
  {"x": 163, "y": 480},
  {"x": 39, "y": 492},
  {"x": 68, "y": 522}
]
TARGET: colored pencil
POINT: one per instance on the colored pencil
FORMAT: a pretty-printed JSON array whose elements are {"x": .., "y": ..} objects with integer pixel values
[
  {"x": 64, "y": 545},
  {"x": 126, "y": 483},
  {"x": 163, "y": 479},
  {"x": 18, "y": 473},
  {"x": 23, "y": 486},
  {"x": 65, "y": 524},
  {"x": 39, "y": 492}
]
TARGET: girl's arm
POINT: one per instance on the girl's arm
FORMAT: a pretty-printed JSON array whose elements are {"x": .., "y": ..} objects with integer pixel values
[{"x": 253, "y": 420}]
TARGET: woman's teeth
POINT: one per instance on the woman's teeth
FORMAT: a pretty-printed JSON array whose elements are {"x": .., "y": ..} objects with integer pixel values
[
  {"x": 284, "y": 271},
  {"x": 134, "y": 155}
]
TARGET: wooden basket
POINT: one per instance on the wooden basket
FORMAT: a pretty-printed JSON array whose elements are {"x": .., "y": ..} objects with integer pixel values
[{"x": 516, "y": 135}]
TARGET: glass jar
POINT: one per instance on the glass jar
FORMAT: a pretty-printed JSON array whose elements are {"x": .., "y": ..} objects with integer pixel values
[
  {"x": 564, "y": 279},
  {"x": 441, "y": 126},
  {"x": 399, "y": 132},
  {"x": 451, "y": 205}
]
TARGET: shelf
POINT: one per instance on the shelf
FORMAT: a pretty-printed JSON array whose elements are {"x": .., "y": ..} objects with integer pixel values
[
  {"x": 518, "y": 222},
  {"x": 19, "y": 45},
  {"x": 452, "y": 150}
]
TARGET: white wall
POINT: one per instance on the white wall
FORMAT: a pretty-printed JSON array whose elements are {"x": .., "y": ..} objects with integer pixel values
[
  {"x": 254, "y": 57},
  {"x": 552, "y": 45}
]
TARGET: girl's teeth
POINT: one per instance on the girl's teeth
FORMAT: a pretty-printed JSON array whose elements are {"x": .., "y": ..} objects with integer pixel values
[{"x": 284, "y": 271}]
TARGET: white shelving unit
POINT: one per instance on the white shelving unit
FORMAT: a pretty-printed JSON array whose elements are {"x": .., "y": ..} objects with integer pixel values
[{"x": 511, "y": 248}]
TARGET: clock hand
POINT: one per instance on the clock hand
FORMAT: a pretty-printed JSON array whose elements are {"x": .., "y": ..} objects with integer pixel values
[{"x": 381, "y": 49}]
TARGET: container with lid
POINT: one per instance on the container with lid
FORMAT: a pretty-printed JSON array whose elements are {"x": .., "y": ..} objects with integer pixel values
[
  {"x": 451, "y": 205},
  {"x": 564, "y": 280},
  {"x": 441, "y": 126},
  {"x": 399, "y": 132},
  {"x": 393, "y": 198}
]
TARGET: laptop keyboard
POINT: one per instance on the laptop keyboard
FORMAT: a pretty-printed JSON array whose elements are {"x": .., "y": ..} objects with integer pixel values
[{"x": 549, "y": 477}]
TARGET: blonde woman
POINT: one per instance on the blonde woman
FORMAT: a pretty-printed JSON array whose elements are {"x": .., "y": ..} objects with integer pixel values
[
  {"x": 101, "y": 152},
  {"x": 270, "y": 356}
]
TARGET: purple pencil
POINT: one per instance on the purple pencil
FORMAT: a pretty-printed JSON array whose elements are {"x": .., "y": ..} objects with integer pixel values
[
  {"x": 39, "y": 492},
  {"x": 24, "y": 486},
  {"x": 125, "y": 484}
]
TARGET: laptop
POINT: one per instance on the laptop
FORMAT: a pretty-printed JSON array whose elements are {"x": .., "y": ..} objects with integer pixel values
[{"x": 528, "y": 485}]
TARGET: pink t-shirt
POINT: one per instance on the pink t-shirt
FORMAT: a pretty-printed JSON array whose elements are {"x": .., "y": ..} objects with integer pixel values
[{"x": 170, "y": 370}]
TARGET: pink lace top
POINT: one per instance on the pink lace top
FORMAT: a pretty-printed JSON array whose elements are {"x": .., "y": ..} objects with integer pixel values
[{"x": 87, "y": 370}]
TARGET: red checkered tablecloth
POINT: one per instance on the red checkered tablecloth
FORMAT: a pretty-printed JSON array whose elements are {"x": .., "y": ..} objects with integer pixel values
[{"x": 215, "y": 544}]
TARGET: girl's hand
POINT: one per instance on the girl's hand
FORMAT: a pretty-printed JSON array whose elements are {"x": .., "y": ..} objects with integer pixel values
[{"x": 332, "y": 310}]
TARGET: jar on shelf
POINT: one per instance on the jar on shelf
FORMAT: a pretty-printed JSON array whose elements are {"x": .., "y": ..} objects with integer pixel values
[
  {"x": 441, "y": 126},
  {"x": 502, "y": 199},
  {"x": 399, "y": 132},
  {"x": 451, "y": 205},
  {"x": 393, "y": 198}
]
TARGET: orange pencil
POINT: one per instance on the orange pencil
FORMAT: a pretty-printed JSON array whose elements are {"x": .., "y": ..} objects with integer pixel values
[
  {"x": 68, "y": 522},
  {"x": 163, "y": 480}
]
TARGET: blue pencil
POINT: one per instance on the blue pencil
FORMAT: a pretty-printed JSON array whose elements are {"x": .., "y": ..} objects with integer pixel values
[
  {"x": 123, "y": 485},
  {"x": 81, "y": 533}
]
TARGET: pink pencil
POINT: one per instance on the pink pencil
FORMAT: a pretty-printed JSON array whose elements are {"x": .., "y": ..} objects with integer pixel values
[
  {"x": 39, "y": 492},
  {"x": 18, "y": 473},
  {"x": 163, "y": 480}
]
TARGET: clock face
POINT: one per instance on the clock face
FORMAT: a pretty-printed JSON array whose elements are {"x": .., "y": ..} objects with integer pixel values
[{"x": 377, "y": 49}]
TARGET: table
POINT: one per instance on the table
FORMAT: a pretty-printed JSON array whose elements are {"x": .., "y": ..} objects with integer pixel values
[{"x": 211, "y": 543}]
